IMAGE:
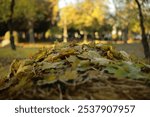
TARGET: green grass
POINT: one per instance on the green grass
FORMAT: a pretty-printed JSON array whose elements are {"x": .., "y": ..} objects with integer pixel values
[
  {"x": 7, "y": 56},
  {"x": 19, "y": 53}
]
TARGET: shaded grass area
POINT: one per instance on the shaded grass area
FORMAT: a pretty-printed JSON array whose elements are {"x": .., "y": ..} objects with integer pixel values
[
  {"x": 7, "y": 56},
  {"x": 134, "y": 49},
  {"x": 19, "y": 53}
]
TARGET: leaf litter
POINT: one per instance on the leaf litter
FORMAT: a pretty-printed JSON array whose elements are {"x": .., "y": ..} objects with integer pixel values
[{"x": 73, "y": 71}]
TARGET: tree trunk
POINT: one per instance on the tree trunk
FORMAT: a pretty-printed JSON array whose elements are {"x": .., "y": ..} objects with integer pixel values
[
  {"x": 10, "y": 25},
  {"x": 144, "y": 37},
  {"x": 85, "y": 37},
  {"x": 126, "y": 32},
  {"x": 65, "y": 31},
  {"x": 43, "y": 37},
  {"x": 31, "y": 32}
]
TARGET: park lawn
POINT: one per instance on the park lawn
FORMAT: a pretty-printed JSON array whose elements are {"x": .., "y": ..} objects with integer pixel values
[
  {"x": 134, "y": 49},
  {"x": 7, "y": 56},
  {"x": 19, "y": 53}
]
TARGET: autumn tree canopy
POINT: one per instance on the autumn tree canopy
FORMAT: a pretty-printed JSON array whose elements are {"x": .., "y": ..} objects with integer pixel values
[{"x": 25, "y": 11}]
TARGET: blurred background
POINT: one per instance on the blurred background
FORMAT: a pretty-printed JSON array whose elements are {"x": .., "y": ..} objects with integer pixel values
[{"x": 36, "y": 23}]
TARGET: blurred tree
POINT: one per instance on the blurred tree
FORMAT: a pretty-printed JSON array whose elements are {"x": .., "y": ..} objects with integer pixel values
[
  {"x": 67, "y": 16},
  {"x": 7, "y": 15},
  {"x": 84, "y": 16},
  {"x": 10, "y": 24},
  {"x": 124, "y": 10},
  {"x": 30, "y": 15},
  {"x": 53, "y": 11},
  {"x": 26, "y": 9},
  {"x": 144, "y": 37},
  {"x": 4, "y": 10},
  {"x": 135, "y": 11}
]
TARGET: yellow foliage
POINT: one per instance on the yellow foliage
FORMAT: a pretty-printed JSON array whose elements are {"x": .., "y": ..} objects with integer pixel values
[{"x": 87, "y": 14}]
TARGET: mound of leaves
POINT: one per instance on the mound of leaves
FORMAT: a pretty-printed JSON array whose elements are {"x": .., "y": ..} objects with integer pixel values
[{"x": 72, "y": 71}]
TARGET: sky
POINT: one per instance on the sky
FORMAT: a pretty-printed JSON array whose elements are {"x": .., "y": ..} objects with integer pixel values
[{"x": 63, "y": 3}]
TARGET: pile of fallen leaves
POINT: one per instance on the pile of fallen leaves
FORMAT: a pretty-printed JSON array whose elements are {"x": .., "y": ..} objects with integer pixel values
[{"x": 72, "y": 71}]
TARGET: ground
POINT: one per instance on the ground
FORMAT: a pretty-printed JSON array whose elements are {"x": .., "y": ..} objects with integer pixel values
[{"x": 111, "y": 88}]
